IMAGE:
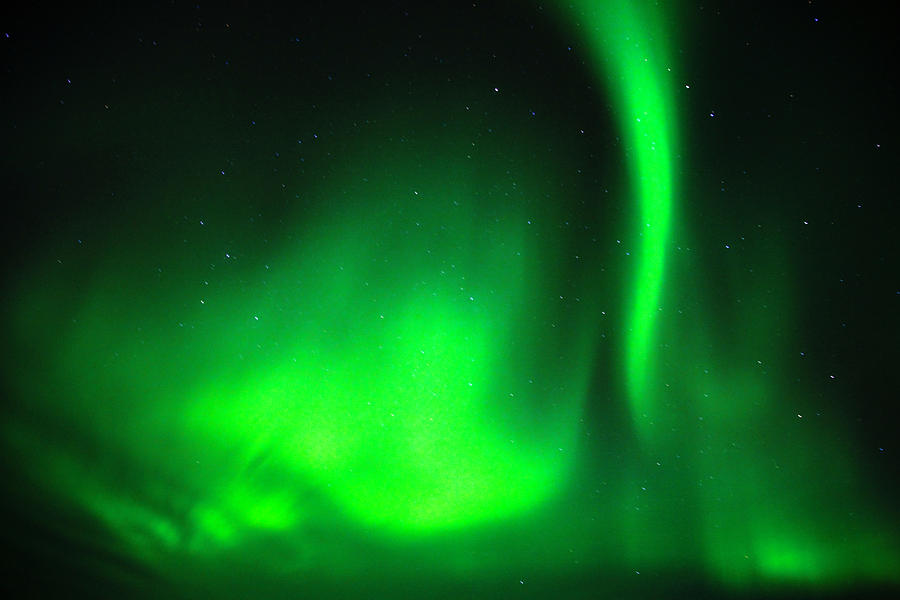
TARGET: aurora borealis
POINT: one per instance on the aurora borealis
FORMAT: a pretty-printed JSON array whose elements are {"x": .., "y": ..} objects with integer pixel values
[{"x": 588, "y": 299}]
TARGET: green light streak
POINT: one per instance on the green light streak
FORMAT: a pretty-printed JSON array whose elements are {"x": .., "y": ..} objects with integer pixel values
[{"x": 627, "y": 45}]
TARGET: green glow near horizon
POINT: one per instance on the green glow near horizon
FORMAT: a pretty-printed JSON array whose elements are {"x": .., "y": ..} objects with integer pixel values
[{"x": 373, "y": 365}]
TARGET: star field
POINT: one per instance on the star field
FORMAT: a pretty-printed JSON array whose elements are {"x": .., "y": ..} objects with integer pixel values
[{"x": 466, "y": 300}]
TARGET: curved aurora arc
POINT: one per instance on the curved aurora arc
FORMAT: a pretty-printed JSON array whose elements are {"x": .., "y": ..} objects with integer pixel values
[
  {"x": 420, "y": 418},
  {"x": 627, "y": 44}
]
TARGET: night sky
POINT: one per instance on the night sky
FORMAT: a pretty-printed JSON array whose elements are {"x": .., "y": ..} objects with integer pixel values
[{"x": 588, "y": 299}]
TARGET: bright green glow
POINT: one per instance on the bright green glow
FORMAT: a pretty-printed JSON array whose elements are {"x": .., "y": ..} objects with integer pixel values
[
  {"x": 415, "y": 409},
  {"x": 627, "y": 44},
  {"x": 396, "y": 373}
]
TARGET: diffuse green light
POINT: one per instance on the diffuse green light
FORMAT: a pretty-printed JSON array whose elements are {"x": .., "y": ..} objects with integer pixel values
[{"x": 400, "y": 368}]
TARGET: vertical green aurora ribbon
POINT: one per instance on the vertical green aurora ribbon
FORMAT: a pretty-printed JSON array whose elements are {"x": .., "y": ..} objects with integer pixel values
[
  {"x": 627, "y": 45},
  {"x": 687, "y": 384}
]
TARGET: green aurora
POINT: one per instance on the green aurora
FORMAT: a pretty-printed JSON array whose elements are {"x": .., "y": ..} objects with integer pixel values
[{"x": 404, "y": 367}]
